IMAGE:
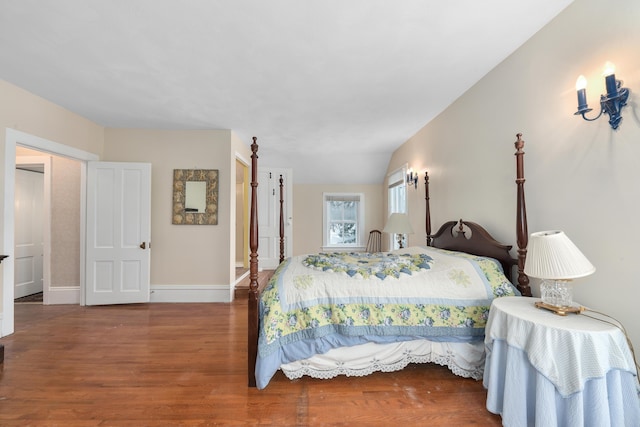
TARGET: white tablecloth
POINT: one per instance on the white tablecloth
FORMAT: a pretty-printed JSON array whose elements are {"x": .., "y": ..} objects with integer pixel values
[{"x": 548, "y": 370}]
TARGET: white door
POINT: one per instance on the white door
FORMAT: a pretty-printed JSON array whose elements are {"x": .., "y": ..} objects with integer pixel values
[
  {"x": 118, "y": 233},
  {"x": 28, "y": 248},
  {"x": 269, "y": 215}
]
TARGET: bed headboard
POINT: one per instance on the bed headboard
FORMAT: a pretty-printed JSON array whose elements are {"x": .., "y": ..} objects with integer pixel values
[{"x": 469, "y": 237}]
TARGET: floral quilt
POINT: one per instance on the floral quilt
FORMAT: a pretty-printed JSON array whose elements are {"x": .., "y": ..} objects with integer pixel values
[
  {"x": 361, "y": 264},
  {"x": 415, "y": 292}
]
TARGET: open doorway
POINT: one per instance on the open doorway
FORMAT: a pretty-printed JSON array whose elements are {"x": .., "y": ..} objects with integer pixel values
[
  {"x": 242, "y": 221},
  {"x": 64, "y": 294},
  {"x": 58, "y": 268},
  {"x": 32, "y": 236}
]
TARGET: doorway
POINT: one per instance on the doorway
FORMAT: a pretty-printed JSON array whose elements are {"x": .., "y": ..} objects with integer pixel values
[
  {"x": 242, "y": 221},
  {"x": 31, "y": 210},
  {"x": 60, "y": 244},
  {"x": 63, "y": 294},
  {"x": 269, "y": 214}
]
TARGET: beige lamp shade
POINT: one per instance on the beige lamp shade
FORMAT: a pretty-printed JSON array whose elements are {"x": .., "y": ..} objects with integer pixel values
[
  {"x": 551, "y": 255},
  {"x": 398, "y": 223}
]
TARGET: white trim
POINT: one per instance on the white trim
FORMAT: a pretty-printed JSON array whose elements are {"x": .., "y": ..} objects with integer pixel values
[
  {"x": 83, "y": 228},
  {"x": 344, "y": 248},
  {"x": 12, "y": 138},
  {"x": 239, "y": 279},
  {"x": 9, "y": 235},
  {"x": 159, "y": 294},
  {"x": 63, "y": 295},
  {"x": 398, "y": 176},
  {"x": 45, "y": 161},
  {"x": 242, "y": 159},
  {"x": 191, "y": 293},
  {"x": 361, "y": 225},
  {"x": 41, "y": 144}
]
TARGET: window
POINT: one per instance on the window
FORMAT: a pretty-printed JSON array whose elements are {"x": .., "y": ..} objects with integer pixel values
[
  {"x": 397, "y": 193},
  {"x": 343, "y": 220}
]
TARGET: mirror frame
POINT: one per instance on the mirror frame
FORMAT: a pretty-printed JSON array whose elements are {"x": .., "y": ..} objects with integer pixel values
[{"x": 180, "y": 179}]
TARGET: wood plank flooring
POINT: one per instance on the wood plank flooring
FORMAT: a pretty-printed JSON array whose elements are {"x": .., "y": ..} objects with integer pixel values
[{"x": 185, "y": 365}]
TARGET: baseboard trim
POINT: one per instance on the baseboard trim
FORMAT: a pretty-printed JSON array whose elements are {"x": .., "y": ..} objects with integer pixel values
[
  {"x": 191, "y": 293},
  {"x": 159, "y": 293},
  {"x": 62, "y": 295},
  {"x": 241, "y": 278}
]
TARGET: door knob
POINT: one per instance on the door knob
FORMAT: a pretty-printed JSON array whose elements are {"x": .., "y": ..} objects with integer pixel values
[{"x": 143, "y": 245}]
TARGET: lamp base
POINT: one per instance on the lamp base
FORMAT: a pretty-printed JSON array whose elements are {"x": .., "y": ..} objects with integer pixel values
[
  {"x": 559, "y": 310},
  {"x": 557, "y": 293}
]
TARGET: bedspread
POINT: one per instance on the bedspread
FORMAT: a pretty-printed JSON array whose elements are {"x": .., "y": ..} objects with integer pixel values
[{"x": 317, "y": 302}]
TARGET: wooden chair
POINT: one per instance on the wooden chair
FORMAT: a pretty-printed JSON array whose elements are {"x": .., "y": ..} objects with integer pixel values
[{"x": 374, "y": 244}]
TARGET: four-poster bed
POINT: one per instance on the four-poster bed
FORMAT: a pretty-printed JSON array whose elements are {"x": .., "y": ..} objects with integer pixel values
[{"x": 324, "y": 315}]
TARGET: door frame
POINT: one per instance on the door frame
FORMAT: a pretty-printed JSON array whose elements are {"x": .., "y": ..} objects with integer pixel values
[
  {"x": 12, "y": 139},
  {"x": 245, "y": 211},
  {"x": 45, "y": 161},
  {"x": 287, "y": 175}
]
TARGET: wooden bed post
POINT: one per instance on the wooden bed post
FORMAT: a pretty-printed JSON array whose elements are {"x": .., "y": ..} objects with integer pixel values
[
  {"x": 428, "y": 212},
  {"x": 522, "y": 231},
  {"x": 253, "y": 268},
  {"x": 281, "y": 219}
]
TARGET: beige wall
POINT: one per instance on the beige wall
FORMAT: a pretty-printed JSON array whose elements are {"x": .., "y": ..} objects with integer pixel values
[
  {"x": 183, "y": 254},
  {"x": 65, "y": 222},
  {"x": 582, "y": 177},
  {"x": 25, "y": 112},
  {"x": 307, "y": 212}
]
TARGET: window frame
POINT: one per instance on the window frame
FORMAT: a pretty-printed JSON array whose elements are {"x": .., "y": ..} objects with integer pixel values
[
  {"x": 360, "y": 222},
  {"x": 397, "y": 181}
]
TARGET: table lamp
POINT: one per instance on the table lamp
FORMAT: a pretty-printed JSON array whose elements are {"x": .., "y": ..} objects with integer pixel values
[
  {"x": 551, "y": 256},
  {"x": 398, "y": 223}
]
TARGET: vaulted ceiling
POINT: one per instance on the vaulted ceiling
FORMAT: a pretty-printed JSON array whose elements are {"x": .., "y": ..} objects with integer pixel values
[{"x": 330, "y": 87}]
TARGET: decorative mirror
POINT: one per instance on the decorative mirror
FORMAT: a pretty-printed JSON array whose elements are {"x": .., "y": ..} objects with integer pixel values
[{"x": 195, "y": 196}]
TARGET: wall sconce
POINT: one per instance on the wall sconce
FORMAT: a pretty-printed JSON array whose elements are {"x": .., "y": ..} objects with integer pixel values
[
  {"x": 611, "y": 103},
  {"x": 412, "y": 178}
]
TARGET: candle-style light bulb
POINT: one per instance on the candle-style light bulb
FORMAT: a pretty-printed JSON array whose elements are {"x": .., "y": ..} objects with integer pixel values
[
  {"x": 609, "y": 69},
  {"x": 610, "y": 79},
  {"x": 581, "y": 85}
]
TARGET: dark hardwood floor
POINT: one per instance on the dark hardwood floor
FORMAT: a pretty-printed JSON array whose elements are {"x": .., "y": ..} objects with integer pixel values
[{"x": 185, "y": 365}]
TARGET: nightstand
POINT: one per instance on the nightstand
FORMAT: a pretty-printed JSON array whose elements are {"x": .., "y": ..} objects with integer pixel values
[{"x": 543, "y": 369}]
